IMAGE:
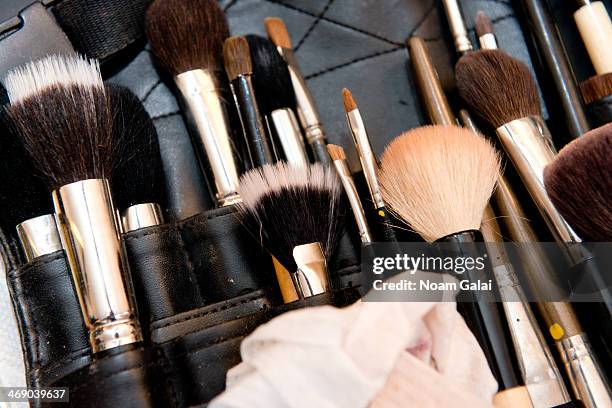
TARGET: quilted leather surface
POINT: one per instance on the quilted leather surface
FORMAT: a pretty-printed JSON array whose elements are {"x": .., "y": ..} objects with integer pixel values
[{"x": 357, "y": 44}]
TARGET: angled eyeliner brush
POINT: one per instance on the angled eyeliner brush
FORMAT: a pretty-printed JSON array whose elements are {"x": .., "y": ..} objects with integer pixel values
[
  {"x": 307, "y": 111},
  {"x": 369, "y": 164},
  {"x": 239, "y": 68}
]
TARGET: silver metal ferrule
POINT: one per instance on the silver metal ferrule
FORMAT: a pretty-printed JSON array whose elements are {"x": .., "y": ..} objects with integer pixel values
[
  {"x": 528, "y": 143},
  {"x": 290, "y": 137},
  {"x": 142, "y": 216},
  {"x": 310, "y": 279},
  {"x": 366, "y": 155},
  {"x": 90, "y": 234},
  {"x": 353, "y": 197},
  {"x": 586, "y": 376},
  {"x": 488, "y": 41},
  {"x": 457, "y": 26},
  {"x": 306, "y": 107},
  {"x": 208, "y": 117},
  {"x": 39, "y": 236}
]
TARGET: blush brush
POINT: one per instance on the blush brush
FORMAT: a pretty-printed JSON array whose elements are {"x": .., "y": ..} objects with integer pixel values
[
  {"x": 275, "y": 94},
  {"x": 438, "y": 180},
  {"x": 61, "y": 111},
  {"x": 187, "y": 40},
  {"x": 307, "y": 111},
  {"x": 298, "y": 214}
]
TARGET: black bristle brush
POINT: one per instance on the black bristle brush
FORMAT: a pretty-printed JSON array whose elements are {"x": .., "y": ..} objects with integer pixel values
[
  {"x": 61, "y": 111},
  {"x": 276, "y": 97},
  {"x": 438, "y": 180},
  {"x": 186, "y": 37},
  {"x": 239, "y": 69},
  {"x": 298, "y": 215}
]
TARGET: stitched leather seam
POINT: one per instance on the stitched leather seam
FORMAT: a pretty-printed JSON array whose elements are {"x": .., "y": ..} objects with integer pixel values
[
  {"x": 312, "y": 26},
  {"x": 354, "y": 61},
  {"x": 166, "y": 115},
  {"x": 215, "y": 310},
  {"x": 20, "y": 272},
  {"x": 230, "y": 4},
  {"x": 150, "y": 90},
  {"x": 72, "y": 358},
  {"x": 157, "y": 230}
]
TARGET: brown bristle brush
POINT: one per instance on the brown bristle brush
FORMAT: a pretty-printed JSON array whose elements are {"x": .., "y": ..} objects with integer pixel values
[
  {"x": 596, "y": 88},
  {"x": 60, "y": 109},
  {"x": 186, "y": 37},
  {"x": 298, "y": 215},
  {"x": 438, "y": 180},
  {"x": 484, "y": 31}
]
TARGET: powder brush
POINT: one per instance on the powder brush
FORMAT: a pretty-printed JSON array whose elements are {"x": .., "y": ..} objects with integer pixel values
[
  {"x": 186, "y": 38},
  {"x": 61, "y": 111},
  {"x": 438, "y": 180},
  {"x": 297, "y": 213},
  {"x": 307, "y": 111},
  {"x": 272, "y": 82},
  {"x": 596, "y": 88},
  {"x": 369, "y": 164},
  {"x": 239, "y": 69}
]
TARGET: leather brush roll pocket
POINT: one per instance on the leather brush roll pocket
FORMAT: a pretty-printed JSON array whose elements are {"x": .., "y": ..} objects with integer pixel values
[
  {"x": 201, "y": 345},
  {"x": 53, "y": 336}
]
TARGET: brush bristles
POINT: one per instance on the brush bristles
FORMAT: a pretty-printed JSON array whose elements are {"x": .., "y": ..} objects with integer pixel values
[
  {"x": 336, "y": 152},
  {"x": 287, "y": 206},
  {"x": 349, "y": 101},
  {"x": 186, "y": 34},
  {"x": 497, "y": 87},
  {"x": 60, "y": 110},
  {"x": 277, "y": 31},
  {"x": 596, "y": 88},
  {"x": 578, "y": 182},
  {"x": 237, "y": 57},
  {"x": 438, "y": 179},
  {"x": 271, "y": 78},
  {"x": 483, "y": 24}
]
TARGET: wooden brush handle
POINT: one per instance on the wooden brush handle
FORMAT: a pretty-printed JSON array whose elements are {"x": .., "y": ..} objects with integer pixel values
[{"x": 595, "y": 29}]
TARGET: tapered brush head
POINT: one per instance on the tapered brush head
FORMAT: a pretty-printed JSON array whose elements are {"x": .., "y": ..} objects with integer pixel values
[
  {"x": 336, "y": 152},
  {"x": 288, "y": 206},
  {"x": 579, "y": 183},
  {"x": 60, "y": 110},
  {"x": 271, "y": 78},
  {"x": 497, "y": 87},
  {"x": 186, "y": 34},
  {"x": 237, "y": 57},
  {"x": 438, "y": 179},
  {"x": 349, "y": 101},
  {"x": 596, "y": 87},
  {"x": 138, "y": 174},
  {"x": 483, "y": 24},
  {"x": 277, "y": 31}
]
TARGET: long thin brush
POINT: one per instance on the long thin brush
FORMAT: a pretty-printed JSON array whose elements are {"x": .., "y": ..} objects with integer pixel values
[
  {"x": 61, "y": 111},
  {"x": 187, "y": 40},
  {"x": 484, "y": 31},
  {"x": 438, "y": 179},
  {"x": 307, "y": 111},
  {"x": 298, "y": 214},
  {"x": 239, "y": 69},
  {"x": 272, "y": 83},
  {"x": 369, "y": 164}
]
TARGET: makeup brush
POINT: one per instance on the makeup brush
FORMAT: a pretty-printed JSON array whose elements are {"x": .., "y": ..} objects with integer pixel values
[
  {"x": 595, "y": 29},
  {"x": 307, "y": 111},
  {"x": 369, "y": 164},
  {"x": 339, "y": 159},
  {"x": 187, "y": 40},
  {"x": 138, "y": 184},
  {"x": 239, "y": 69},
  {"x": 596, "y": 88},
  {"x": 61, "y": 111},
  {"x": 456, "y": 24},
  {"x": 297, "y": 213},
  {"x": 276, "y": 98},
  {"x": 484, "y": 31},
  {"x": 579, "y": 183},
  {"x": 438, "y": 180}
]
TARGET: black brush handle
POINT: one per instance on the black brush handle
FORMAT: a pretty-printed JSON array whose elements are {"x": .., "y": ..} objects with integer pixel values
[
  {"x": 600, "y": 112},
  {"x": 482, "y": 314},
  {"x": 384, "y": 225},
  {"x": 552, "y": 53},
  {"x": 252, "y": 125}
]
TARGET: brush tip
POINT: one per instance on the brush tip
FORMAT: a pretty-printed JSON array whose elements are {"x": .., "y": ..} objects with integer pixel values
[
  {"x": 277, "y": 31},
  {"x": 596, "y": 88},
  {"x": 336, "y": 152},
  {"x": 237, "y": 57},
  {"x": 483, "y": 24},
  {"x": 349, "y": 101}
]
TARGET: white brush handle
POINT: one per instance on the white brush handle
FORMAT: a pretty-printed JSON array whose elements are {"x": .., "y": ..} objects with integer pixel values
[{"x": 595, "y": 29}]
